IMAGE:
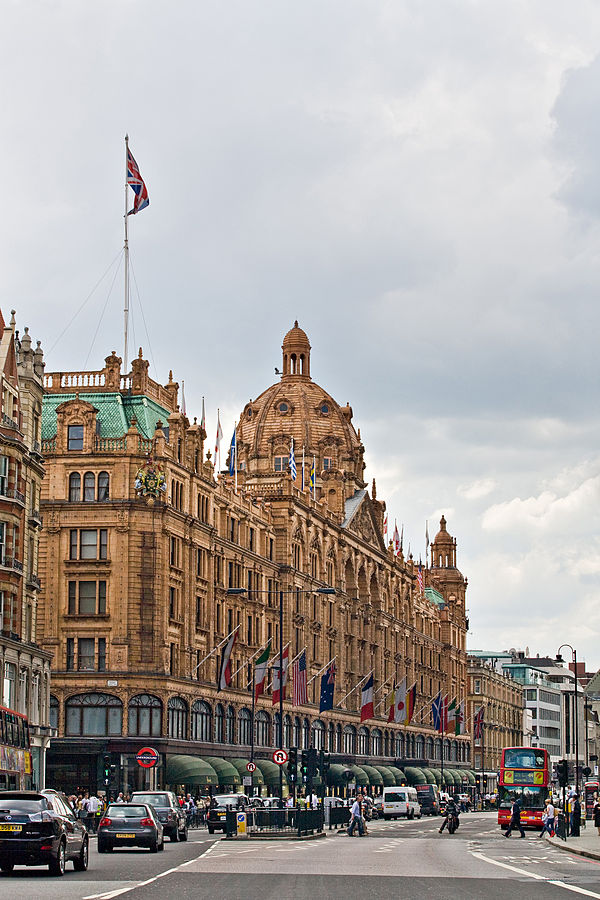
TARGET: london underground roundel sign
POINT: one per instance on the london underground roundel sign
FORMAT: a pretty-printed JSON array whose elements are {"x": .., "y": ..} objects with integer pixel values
[{"x": 147, "y": 757}]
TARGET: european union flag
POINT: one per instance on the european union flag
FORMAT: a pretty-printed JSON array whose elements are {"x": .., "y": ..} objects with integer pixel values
[{"x": 327, "y": 689}]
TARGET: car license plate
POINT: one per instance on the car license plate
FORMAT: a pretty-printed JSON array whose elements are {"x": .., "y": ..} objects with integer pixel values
[
  {"x": 11, "y": 827},
  {"x": 221, "y": 815},
  {"x": 125, "y": 835}
]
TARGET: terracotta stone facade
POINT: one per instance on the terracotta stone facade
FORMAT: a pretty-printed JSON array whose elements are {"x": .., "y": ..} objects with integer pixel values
[{"x": 135, "y": 594}]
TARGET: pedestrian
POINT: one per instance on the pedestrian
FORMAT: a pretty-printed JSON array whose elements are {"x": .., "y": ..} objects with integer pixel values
[
  {"x": 92, "y": 810},
  {"x": 596, "y": 810},
  {"x": 576, "y": 817},
  {"x": 356, "y": 819},
  {"x": 120, "y": 798},
  {"x": 515, "y": 820},
  {"x": 548, "y": 818}
]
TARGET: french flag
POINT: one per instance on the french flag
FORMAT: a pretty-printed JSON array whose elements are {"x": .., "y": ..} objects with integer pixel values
[{"x": 366, "y": 701}]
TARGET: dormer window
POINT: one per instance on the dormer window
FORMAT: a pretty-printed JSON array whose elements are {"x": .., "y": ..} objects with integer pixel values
[
  {"x": 283, "y": 408},
  {"x": 75, "y": 437},
  {"x": 328, "y": 462},
  {"x": 324, "y": 409}
]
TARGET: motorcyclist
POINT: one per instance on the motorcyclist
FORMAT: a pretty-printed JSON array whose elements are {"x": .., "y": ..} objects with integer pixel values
[{"x": 452, "y": 807}]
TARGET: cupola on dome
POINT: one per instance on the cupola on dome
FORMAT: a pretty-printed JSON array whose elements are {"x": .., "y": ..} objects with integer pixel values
[{"x": 296, "y": 353}]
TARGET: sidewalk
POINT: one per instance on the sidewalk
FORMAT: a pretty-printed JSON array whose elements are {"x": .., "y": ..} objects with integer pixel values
[{"x": 587, "y": 845}]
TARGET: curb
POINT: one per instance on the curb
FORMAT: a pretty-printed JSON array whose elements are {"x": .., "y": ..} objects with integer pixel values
[
  {"x": 277, "y": 837},
  {"x": 569, "y": 848}
]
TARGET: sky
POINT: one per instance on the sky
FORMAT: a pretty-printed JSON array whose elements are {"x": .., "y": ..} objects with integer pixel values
[{"x": 415, "y": 181}]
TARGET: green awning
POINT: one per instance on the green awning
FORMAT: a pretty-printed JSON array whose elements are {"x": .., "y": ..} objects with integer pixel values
[
  {"x": 459, "y": 774},
  {"x": 257, "y": 775},
  {"x": 336, "y": 775},
  {"x": 227, "y": 774},
  {"x": 414, "y": 775},
  {"x": 389, "y": 779},
  {"x": 270, "y": 772},
  {"x": 448, "y": 778},
  {"x": 437, "y": 776},
  {"x": 375, "y": 779},
  {"x": 430, "y": 776},
  {"x": 471, "y": 776},
  {"x": 398, "y": 775},
  {"x": 362, "y": 779},
  {"x": 183, "y": 769}
]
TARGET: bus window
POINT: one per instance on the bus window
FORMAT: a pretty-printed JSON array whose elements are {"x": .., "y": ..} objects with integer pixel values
[{"x": 524, "y": 758}]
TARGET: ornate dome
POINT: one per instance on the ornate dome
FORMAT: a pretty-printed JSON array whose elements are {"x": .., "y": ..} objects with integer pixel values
[
  {"x": 442, "y": 537},
  {"x": 297, "y": 408}
]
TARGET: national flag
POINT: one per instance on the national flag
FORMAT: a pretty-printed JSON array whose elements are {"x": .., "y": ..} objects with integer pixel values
[
  {"x": 411, "y": 702},
  {"x": 313, "y": 478},
  {"x": 444, "y": 715},
  {"x": 385, "y": 529},
  {"x": 225, "y": 676},
  {"x": 293, "y": 468},
  {"x": 300, "y": 690},
  {"x": 396, "y": 539},
  {"x": 218, "y": 440},
  {"x": 285, "y": 658},
  {"x": 420, "y": 577},
  {"x": 366, "y": 700},
  {"x": 260, "y": 671},
  {"x": 400, "y": 702},
  {"x": 232, "y": 454},
  {"x": 451, "y": 717},
  {"x": 303, "y": 467},
  {"x": 426, "y": 534},
  {"x": 390, "y": 705},
  {"x": 327, "y": 688},
  {"x": 402, "y": 539},
  {"x": 136, "y": 183},
  {"x": 436, "y": 712},
  {"x": 460, "y": 718},
  {"x": 478, "y": 724},
  {"x": 203, "y": 421}
]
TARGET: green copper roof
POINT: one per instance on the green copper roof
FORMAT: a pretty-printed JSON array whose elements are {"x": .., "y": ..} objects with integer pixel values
[
  {"x": 115, "y": 412},
  {"x": 434, "y": 596}
]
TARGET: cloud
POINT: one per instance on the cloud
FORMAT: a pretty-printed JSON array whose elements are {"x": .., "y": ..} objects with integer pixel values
[{"x": 478, "y": 489}]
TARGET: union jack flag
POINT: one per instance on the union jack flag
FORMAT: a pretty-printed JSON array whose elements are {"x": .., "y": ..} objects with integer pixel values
[
  {"x": 478, "y": 724},
  {"x": 136, "y": 183}
]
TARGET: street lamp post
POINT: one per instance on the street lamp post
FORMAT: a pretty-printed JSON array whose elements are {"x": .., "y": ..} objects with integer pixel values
[
  {"x": 327, "y": 590},
  {"x": 559, "y": 659}
]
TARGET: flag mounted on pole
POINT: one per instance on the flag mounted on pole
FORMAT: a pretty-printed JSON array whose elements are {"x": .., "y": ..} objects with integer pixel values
[
  {"x": 313, "y": 479},
  {"x": 400, "y": 702},
  {"x": 300, "y": 696},
  {"x": 390, "y": 705},
  {"x": 420, "y": 577},
  {"x": 327, "y": 688},
  {"x": 366, "y": 700},
  {"x": 396, "y": 539},
  {"x": 136, "y": 183},
  {"x": 411, "y": 702},
  {"x": 293, "y": 469},
  {"x": 460, "y": 718},
  {"x": 225, "y": 676},
  {"x": 232, "y": 454},
  {"x": 478, "y": 724},
  {"x": 436, "y": 712},
  {"x": 260, "y": 671},
  {"x": 284, "y": 673},
  {"x": 385, "y": 529},
  {"x": 218, "y": 442},
  {"x": 451, "y": 717}
]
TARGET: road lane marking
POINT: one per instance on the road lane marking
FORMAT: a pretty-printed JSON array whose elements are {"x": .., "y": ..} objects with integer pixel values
[{"x": 567, "y": 887}]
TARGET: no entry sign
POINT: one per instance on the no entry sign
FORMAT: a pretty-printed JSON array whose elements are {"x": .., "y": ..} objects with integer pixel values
[
  {"x": 147, "y": 757},
  {"x": 280, "y": 757}
]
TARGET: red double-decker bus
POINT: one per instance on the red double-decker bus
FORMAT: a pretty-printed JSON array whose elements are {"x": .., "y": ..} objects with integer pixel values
[
  {"x": 524, "y": 775},
  {"x": 15, "y": 751}
]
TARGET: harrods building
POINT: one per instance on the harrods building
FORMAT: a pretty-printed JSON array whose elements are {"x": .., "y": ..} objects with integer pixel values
[{"x": 135, "y": 591}]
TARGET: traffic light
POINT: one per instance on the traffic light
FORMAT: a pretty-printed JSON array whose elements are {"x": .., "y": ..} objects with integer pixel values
[
  {"x": 312, "y": 762},
  {"x": 106, "y": 767},
  {"x": 292, "y": 766},
  {"x": 562, "y": 772},
  {"x": 324, "y": 764},
  {"x": 304, "y": 765}
]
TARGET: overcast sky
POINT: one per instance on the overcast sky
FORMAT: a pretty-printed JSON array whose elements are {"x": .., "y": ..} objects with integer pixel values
[{"x": 417, "y": 182}]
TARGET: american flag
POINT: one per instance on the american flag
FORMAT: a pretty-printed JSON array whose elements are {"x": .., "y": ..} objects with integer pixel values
[
  {"x": 420, "y": 578},
  {"x": 136, "y": 183},
  {"x": 300, "y": 695}
]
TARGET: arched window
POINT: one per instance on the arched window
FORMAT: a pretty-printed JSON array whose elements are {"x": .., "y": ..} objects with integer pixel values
[
  {"x": 437, "y": 748},
  {"x": 145, "y": 713},
  {"x": 306, "y": 734},
  {"x": 429, "y": 748},
  {"x": 376, "y": 742},
  {"x": 349, "y": 739},
  {"x": 454, "y": 751},
  {"x": 230, "y": 725},
  {"x": 103, "y": 484},
  {"x": 74, "y": 487},
  {"x": 317, "y": 735},
  {"x": 386, "y": 743},
  {"x": 338, "y": 738},
  {"x": 262, "y": 722},
  {"x": 468, "y": 752},
  {"x": 399, "y": 745},
  {"x": 362, "y": 743},
  {"x": 178, "y": 713},
  {"x": 219, "y": 723},
  {"x": 54, "y": 711},
  {"x": 244, "y": 726},
  {"x": 94, "y": 714},
  {"x": 201, "y": 721},
  {"x": 89, "y": 486},
  {"x": 276, "y": 735},
  {"x": 446, "y": 749},
  {"x": 331, "y": 737},
  {"x": 420, "y": 748},
  {"x": 297, "y": 732},
  {"x": 287, "y": 731}
]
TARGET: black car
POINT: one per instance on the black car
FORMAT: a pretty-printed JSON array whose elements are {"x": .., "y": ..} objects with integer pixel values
[
  {"x": 219, "y": 804},
  {"x": 171, "y": 815},
  {"x": 39, "y": 829},
  {"x": 130, "y": 825}
]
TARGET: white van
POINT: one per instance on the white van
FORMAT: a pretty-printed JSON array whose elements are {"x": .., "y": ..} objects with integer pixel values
[{"x": 400, "y": 801}]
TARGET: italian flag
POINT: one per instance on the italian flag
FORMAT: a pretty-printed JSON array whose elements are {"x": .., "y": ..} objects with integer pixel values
[
  {"x": 260, "y": 671},
  {"x": 451, "y": 720}
]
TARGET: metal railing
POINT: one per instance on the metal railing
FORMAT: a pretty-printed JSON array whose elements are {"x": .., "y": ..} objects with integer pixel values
[{"x": 266, "y": 822}]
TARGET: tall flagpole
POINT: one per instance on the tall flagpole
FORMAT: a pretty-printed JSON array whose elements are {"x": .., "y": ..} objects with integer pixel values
[{"x": 126, "y": 249}]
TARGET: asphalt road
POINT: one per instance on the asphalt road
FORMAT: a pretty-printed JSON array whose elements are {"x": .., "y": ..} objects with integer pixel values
[{"x": 395, "y": 860}]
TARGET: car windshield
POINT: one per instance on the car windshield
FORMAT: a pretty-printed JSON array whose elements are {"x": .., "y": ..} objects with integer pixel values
[
  {"x": 154, "y": 799},
  {"x": 524, "y": 758},
  {"x": 530, "y": 797},
  {"x": 133, "y": 812},
  {"x": 227, "y": 799},
  {"x": 22, "y": 807}
]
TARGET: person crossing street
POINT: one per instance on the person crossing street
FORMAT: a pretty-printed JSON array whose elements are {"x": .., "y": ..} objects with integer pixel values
[{"x": 515, "y": 820}]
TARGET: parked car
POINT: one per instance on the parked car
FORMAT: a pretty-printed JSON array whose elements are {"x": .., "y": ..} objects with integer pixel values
[
  {"x": 171, "y": 815},
  {"x": 217, "y": 814},
  {"x": 39, "y": 828},
  {"x": 130, "y": 825},
  {"x": 400, "y": 801}
]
